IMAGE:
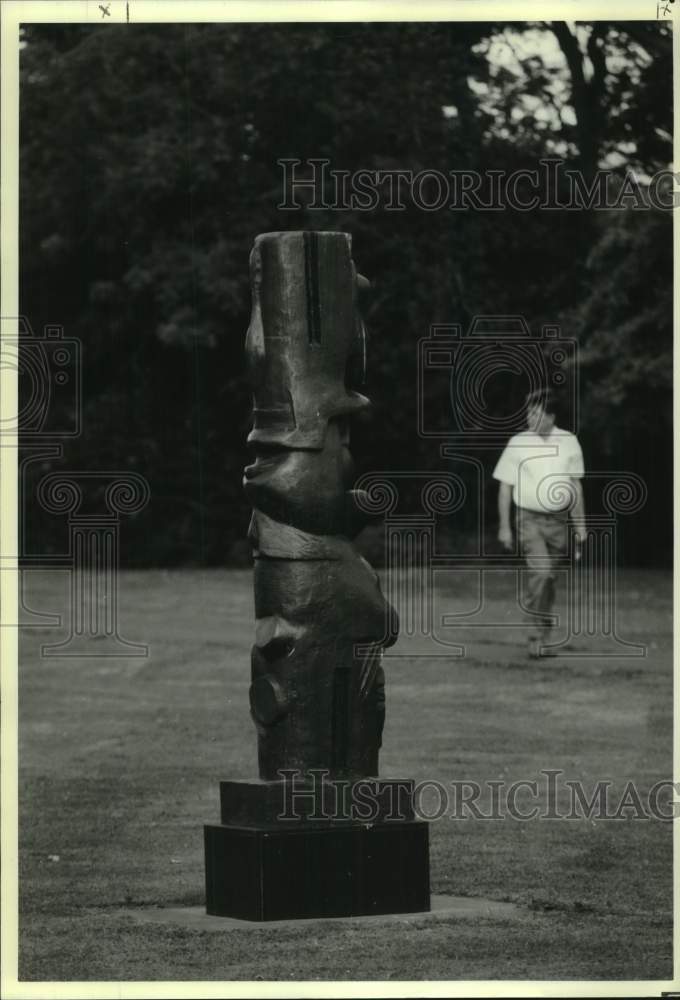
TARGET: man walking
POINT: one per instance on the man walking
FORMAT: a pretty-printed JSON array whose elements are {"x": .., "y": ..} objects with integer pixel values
[{"x": 541, "y": 470}]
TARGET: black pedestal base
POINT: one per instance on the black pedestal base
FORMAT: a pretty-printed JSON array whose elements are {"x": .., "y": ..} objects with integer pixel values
[{"x": 303, "y": 871}]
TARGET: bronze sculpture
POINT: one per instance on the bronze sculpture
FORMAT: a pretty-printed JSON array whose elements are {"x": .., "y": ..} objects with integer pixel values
[
  {"x": 315, "y": 703},
  {"x": 317, "y": 691}
]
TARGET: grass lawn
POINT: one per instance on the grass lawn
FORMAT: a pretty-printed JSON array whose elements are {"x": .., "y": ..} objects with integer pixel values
[{"x": 120, "y": 761}]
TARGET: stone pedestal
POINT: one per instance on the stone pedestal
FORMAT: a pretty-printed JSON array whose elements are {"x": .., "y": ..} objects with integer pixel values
[
  {"x": 280, "y": 874},
  {"x": 293, "y": 850}
]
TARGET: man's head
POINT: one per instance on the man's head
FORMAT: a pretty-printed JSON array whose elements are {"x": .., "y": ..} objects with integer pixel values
[{"x": 541, "y": 407}]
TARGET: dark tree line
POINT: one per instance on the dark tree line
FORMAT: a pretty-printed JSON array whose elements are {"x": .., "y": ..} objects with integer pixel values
[{"x": 149, "y": 161}]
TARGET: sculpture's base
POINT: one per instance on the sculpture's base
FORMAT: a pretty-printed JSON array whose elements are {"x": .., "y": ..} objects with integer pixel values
[
  {"x": 316, "y": 800},
  {"x": 304, "y": 871}
]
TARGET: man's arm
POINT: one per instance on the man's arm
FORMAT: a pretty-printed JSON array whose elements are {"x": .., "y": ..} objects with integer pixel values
[
  {"x": 504, "y": 502},
  {"x": 506, "y": 474},
  {"x": 578, "y": 511}
]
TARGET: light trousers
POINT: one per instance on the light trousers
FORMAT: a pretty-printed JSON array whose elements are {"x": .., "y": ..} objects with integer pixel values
[{"x": 543, "y": 539}]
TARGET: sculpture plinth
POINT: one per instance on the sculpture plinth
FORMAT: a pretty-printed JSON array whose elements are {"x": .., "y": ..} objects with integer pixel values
[{"x": 319, "y": 834}]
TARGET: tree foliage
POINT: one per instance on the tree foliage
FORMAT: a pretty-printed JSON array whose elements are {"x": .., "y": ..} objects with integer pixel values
[{"x": 149, "y": 161}]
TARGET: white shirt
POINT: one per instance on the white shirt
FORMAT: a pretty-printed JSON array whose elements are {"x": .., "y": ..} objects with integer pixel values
[{"x": 540, "y": 469}]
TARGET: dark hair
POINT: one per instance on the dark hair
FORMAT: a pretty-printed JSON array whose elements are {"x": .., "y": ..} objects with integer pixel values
[{"x": 548, "y": 399}]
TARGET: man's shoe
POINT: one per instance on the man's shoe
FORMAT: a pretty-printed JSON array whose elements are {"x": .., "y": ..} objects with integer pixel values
[{"x": 536, "y": 651}]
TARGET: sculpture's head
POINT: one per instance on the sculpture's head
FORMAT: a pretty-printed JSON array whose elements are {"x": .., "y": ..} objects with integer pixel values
[{"x": 306, "y": 343}]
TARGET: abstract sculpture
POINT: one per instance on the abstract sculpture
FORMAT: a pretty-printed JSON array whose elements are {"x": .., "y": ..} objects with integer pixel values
[{"x": 317, "y": 691}]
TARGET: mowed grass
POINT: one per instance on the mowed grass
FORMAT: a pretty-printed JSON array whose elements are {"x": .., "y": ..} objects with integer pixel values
[{"x": 120, "y": 761}]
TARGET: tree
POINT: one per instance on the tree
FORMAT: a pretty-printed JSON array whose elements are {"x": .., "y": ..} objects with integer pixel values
[{"x": 599, "y": 94}]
